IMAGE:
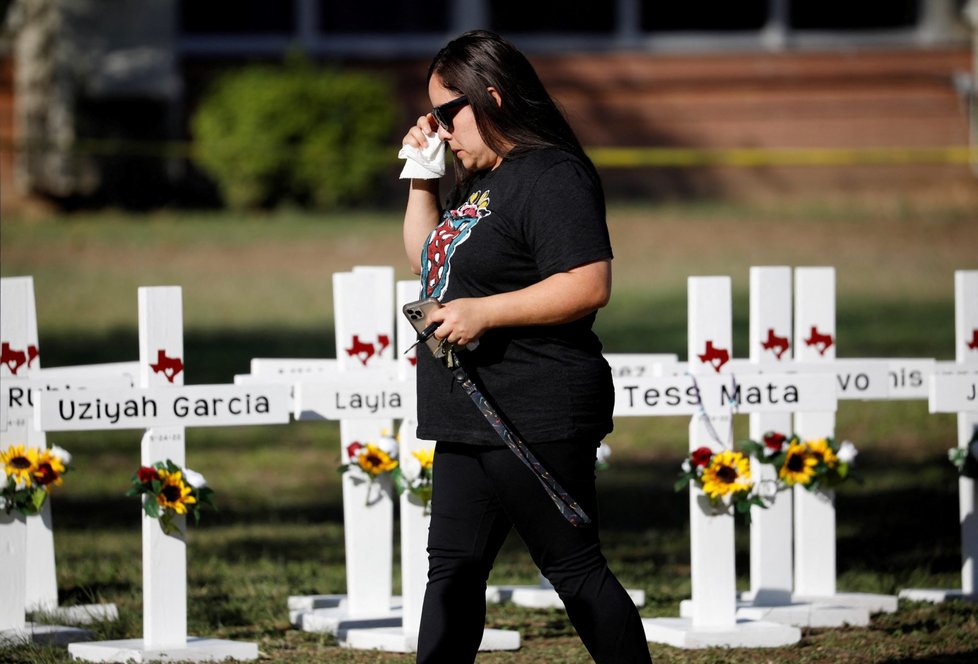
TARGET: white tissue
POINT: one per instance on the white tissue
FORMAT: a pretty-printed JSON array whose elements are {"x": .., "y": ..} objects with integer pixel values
[{"x": 424, "y": 163}]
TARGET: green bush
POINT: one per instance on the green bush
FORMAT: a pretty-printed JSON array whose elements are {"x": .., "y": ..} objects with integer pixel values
[{"x": 296, "y": 133}]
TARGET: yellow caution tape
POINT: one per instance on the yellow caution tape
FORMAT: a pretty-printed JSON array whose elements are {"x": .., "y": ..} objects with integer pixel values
[
  {"x": 754, "y": 157},
  {"x": 609, "y": 157}
]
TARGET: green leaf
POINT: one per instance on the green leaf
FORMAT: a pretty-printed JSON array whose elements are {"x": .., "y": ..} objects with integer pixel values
[
  {"x": 400, "y": 484},
  {"x": 38, "y": 496},
  {"x": 166, "y": 522},
  {"x": 205, "y": 496},
  {"x": 151, "y": 507}
]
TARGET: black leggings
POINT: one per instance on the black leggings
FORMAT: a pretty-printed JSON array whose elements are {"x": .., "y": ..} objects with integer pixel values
[{"x": 480, "y": 492}]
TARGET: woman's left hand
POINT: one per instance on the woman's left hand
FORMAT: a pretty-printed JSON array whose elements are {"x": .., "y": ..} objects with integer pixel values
[{"x": 462, "y": 321}]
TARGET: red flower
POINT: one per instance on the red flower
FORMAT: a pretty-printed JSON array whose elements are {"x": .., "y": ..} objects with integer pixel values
[
  {"x": 774, "y": 441},
  {"x": 353, "y": 449},
  {"x": 701, "y": 456},
  {"x": 147, "y": 474},
  {"x": 45, "y": 474}
]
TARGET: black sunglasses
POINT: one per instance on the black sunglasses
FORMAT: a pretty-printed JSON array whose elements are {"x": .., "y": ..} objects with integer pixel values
[{"x": 446, "y": 112}]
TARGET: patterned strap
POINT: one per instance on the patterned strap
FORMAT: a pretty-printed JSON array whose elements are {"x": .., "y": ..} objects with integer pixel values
[{"x": 566, "y": 505}]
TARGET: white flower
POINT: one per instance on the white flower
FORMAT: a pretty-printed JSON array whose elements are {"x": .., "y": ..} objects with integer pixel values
[
  {"x": 388, "y": 445},
  {"x": 767, "y": 489},
  {"x": 604, "y": 451},
  {"x": 63, "y": 455},
  {"x": 847, "y": 452},
  {"x": 687, "y": 466},
  {"x": 411, "y": 467},
  {"x": 194, "y": 479}
]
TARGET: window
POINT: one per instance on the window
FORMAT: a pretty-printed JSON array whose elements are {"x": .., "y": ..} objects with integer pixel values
[
  {"x": 567, "y": 16},
  {"x": 848, "y": 15},
  {"x": 236, "y": 17},
  {"x": 383, "y": 16},
  {"x": 703, "y": 16}
]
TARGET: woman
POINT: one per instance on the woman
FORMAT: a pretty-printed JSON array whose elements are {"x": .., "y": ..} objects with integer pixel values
[{"x": 521, "y": 260}]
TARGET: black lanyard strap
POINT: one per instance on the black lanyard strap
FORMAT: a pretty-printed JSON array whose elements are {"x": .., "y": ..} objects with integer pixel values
[{"x": 566, "y": 505}]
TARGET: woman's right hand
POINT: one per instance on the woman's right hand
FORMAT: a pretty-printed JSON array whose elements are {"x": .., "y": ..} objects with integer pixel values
[
  {"x": 417, "y": 135},
  {"x": 423, "y": 212}
]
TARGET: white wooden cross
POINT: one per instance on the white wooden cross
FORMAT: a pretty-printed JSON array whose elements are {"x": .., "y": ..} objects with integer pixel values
[
  {"x": 859, "y": 379},
  {"x": 366, "y": 391},
  {"x": 712, "y": 393},
  {"x": 20, "y": 372},
  {"x": 955, "y": 390},
  {"x": 624, "y": 366},
  {"x": 814, "y": 601},
  {"x": 414, "y": 516},
  {"x": 771, "y": 347},
  {"x": 814, "y": 519},
  {"x": 163, "y": 406},
  {"x": 414, "y": 525},
  {"x": 362, "y": 392},
  {"x": 771, "y": 530}
]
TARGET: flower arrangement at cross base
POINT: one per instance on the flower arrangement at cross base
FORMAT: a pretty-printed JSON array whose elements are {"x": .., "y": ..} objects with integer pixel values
[
  {"x": 170, "y": 491},
  {"x": 815, "y": 464},
  {"x": 27, "y": 475},
  {"x": 380, "y": 461},
  {"x": 965, "y": 458},
  {"x": 371, "y": 462},
  {"x": 414, "y": 476},
  {"x": 724, "y": 477},
  {"x": 601, "y": 456}
]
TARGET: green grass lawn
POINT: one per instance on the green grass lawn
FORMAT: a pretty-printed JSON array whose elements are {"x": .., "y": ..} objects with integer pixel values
[{"x": 260, "y": 286}]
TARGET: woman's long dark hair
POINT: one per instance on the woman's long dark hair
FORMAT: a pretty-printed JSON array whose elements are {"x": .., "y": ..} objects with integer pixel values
[{"x": 528, "y": 118}]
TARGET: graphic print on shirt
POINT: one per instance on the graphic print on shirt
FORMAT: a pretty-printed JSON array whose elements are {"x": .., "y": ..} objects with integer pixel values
[{"x": 455, "y": 228}]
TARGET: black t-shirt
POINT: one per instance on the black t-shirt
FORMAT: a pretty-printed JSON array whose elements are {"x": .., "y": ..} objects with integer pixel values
[{"x": 535, "y": 215}]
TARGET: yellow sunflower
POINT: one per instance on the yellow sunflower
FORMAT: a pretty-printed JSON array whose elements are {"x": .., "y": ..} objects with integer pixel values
[
  {"x": 799, "y": 466},
  {"x": 728, "y": 472},
  {"x": 49, "y": 469},
  {"x": 425, "y": 457},
  {"x": 20, "y": 464},
  {"x": 375, "y": 461},
  {"x": 822, "y": 451},
  {"x": 174, "y": 493}
]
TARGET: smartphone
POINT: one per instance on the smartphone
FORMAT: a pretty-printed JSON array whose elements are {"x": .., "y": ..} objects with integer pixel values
[{"x": 417, "y": 313}]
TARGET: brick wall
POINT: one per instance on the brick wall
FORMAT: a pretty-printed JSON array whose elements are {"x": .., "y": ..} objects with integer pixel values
[
  {"x": 883, "y": 98},
  {"x": 7, "y": 194},
  {"x": 836, "y": 100}
]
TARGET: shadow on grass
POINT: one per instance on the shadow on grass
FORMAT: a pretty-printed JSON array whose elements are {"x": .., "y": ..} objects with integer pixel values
[
  {"x": 211, "y": 356},
  {"x": 640, "y": 322},
  {"x": 890, "y": 529},
  {"x": 72, "y": 513},
  {"x": 906, "y": 526},
  {"x": 969, "y": 657},
  {"x": 646, "y": 322}
]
